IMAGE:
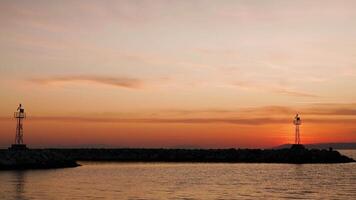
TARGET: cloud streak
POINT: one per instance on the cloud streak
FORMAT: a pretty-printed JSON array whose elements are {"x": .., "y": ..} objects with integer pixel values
[
  {"x": 121, "y": 82},
  {"x": 239, "y": 121},
  {"x": 236, "y": 120},
  {"x": 275, "y": 89},
  {"x": 314, "y": 113},
  {"x": 312, "y": 110}
]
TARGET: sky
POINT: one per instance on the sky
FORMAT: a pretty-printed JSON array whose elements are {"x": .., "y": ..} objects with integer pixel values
[{"x": 197, "y": 74}]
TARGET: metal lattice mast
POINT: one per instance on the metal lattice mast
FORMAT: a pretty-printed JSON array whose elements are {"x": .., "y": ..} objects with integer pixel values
[
  {"x": 297, "y": 122},
  {"x": 20, "y": 115}
]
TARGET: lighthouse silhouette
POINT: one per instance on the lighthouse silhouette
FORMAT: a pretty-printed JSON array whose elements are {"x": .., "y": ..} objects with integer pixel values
[
  {"x": 19, "y": 115},
  {"x": 297, "y": 122}
]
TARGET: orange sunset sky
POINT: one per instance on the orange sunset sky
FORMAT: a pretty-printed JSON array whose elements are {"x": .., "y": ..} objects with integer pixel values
[{"x": 208, "y": 74}]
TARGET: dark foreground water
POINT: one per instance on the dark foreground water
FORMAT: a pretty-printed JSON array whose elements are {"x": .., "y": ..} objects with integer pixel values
[{"x": 103, "y": 180}]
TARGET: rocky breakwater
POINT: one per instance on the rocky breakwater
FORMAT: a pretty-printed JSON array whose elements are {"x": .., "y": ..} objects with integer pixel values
[
  {"x": 34, "y": 159},
  {"x": 297, "y": 154}
]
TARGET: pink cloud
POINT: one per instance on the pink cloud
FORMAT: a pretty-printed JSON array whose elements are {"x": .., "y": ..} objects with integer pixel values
[{"x": 122, "y": 82}]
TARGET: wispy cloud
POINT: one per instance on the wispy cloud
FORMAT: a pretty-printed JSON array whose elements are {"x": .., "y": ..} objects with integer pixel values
[
  {"x": 292, "y": 92},
  {"x": 315, "y": 113},
  {"x": 274, "y": 88},
  {"x": 254, "y": 116},
  {"x": 332, "y": 109},
  {"x": 312, "y": 110},
  {"x": 122, "y": 82},
  {"x": 236, "y": 120}
]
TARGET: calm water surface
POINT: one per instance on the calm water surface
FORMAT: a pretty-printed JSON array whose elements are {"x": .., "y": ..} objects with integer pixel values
[{"x": 183, "y": 181}]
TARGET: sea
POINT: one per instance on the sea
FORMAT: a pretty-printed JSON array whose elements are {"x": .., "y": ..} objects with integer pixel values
[{"x": 141, "y": 181}]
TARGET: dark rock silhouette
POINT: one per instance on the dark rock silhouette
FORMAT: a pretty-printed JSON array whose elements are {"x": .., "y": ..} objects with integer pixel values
[
  {"x": 297, "y": 154},
  {"x": 59, "y": 158},
  {"x": 297, "y": 147},
  {"x": 34, "y": 159}
]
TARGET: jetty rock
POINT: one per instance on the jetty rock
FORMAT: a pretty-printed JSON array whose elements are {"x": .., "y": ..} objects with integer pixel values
[
  {"x": 34, "y": 159},
  {"x": 297, "y": 155}
]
